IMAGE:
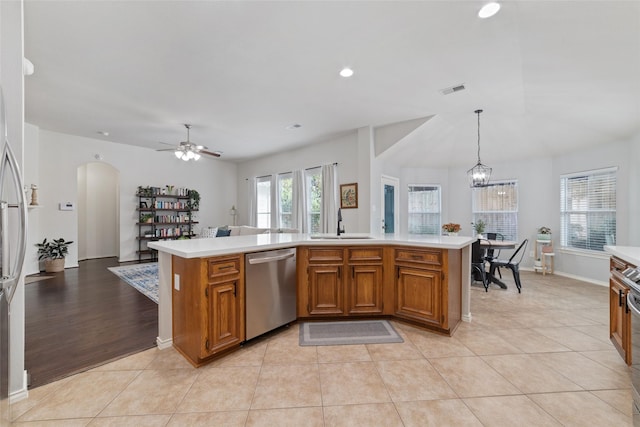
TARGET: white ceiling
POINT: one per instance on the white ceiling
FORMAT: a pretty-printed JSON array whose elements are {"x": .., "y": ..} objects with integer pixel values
[{"x": 551, "y": 76}]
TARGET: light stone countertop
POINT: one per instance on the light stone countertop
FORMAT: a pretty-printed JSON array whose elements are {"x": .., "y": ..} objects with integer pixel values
[
  {"x": 200, "y": 248},
  {"x": 628, "y": 253}
]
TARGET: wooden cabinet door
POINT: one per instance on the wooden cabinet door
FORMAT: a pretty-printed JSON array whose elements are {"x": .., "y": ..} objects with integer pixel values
[
  {"x": 419, "y": 294},
  {"x": 365, "y": 289},
  {"x": 619, "y": 318},
  {"x": 222, "y": 317},
  {"x": 326, "y": 293}
]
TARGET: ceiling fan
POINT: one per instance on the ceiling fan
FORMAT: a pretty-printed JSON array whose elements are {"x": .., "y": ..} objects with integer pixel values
[{"x": 187, "y": 150}]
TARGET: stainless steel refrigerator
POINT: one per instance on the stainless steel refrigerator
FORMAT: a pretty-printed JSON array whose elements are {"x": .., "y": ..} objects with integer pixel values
[{"x": 13, "y": 234}]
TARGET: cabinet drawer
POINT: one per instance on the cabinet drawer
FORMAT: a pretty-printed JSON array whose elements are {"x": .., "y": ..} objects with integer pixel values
[
  {"x": 222, "y": 267},
  {"x": 619, "y": 265},
  {"x": 364, "y": 255},
  {"x": 414, "y": 256},
  {"x": 325, "y": 255}
]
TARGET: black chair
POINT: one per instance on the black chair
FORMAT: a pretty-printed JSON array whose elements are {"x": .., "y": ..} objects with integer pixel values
[
  {"x": 512, "y": 263},
  {"x": 477, "y": 264},
  {"x": 494, "y": 253}
]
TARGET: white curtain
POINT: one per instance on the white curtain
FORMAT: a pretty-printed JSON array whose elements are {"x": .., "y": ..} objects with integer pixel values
[
  {"x": 329, "y": 220},
  {"x": 251, "y": 183},
  {"x": 275, "y": 202},
  {"x": 298, "y": 208}
]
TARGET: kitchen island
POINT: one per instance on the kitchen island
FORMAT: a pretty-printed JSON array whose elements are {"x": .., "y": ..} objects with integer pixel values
[{"x": 404, "y": 264}]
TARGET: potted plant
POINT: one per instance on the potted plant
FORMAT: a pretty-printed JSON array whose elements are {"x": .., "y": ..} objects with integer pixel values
[
  {"x": 544, "y": 233},
  {"x": 479, "y": 227},
  {"x": 53, "y": 254},
  {"x": 194, "y": 200},
  {"x": 146, "y": 217},
  {"x": 451, "y": 228}
]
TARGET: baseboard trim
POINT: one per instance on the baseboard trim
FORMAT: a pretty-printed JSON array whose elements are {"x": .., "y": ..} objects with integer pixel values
[
  {"x": 21, "y": 394},
  {"x": 572, "y": 276},
  {"x": 163, "y": 344}
]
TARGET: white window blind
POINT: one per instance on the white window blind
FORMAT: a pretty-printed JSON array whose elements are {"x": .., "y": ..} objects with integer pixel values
[
  {"x": 313, "y": 178},
  {"x": 497, "y": 205},
  {"x": 588, "y": 209},
  {"x": 424, "y": 209},
  {"x": 263, "y": 201},
  {"x": 285, "y": 200}
]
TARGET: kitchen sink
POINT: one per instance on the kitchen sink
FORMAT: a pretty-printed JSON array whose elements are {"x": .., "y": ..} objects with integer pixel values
[{"x": 340, "y": 237}]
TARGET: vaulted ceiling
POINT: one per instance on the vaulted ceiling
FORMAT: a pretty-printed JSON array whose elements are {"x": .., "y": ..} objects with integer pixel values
[{"x": 551, "y": 76}]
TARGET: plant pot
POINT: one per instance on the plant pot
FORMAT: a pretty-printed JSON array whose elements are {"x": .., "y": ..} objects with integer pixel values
[
  {"x": 452, "y": 233},
  {"x": 54, "y": 265},
  {"x": 544, "y": 237}
]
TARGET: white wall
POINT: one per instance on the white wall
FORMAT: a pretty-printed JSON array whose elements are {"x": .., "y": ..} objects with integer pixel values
[
  {"x": 344, "y": 150},
  {"x": 61, "y": 155},
  {"x": 31, "y": 176},
  {"x": 539, "y": 204},
  {"x": 596, "y": 267}
]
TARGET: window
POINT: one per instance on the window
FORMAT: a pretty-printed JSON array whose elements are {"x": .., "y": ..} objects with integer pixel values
[
  {"x": 263, "y": 202},
  {"x": 285, "y": 200},
  {"x": 588, "y": 209},
  {"x": 313, "y": 178},
  {"x": 497, "y": 205},
  {"x": 424, "y": 209}
]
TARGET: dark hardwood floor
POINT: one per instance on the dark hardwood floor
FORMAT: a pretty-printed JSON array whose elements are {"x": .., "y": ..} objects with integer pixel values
[{"x": 82, "y": 318}]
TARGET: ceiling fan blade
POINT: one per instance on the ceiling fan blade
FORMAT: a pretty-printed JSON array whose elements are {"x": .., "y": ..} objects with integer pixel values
[
  {"x": 167, "y": 149},
  {"x": 210, "y": 153}
]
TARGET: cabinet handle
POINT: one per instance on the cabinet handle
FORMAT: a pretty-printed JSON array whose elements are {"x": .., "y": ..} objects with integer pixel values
[
  {"x": 626, "y": 306},
  {"x": 620, "y": 296},
  {"x": 234, "y": 288},
  {"x": 339, "y": 272},
  {"x": 224, "y": 267},
  {"x": 353, "y": 272}
]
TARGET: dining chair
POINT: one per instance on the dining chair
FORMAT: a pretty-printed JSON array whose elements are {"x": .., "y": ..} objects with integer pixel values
[
  {"x": 478, "y": 269},
  {"x": 493, "y": 253},
  {"x": 512, "y": 263}
]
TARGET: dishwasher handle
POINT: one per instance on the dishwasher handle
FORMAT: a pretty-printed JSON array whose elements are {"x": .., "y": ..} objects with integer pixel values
[{"x": 264, "y": 260}]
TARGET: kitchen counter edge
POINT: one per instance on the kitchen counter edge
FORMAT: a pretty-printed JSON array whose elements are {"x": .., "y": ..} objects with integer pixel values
[
  {"x": 206, "y": 247},
  {"x": 630, "y": 254}
]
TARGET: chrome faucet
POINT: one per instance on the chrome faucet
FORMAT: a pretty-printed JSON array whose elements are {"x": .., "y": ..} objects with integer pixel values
[{"x": 340, "y": 229}]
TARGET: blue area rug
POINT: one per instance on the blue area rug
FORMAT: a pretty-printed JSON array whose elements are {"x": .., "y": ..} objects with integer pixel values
[{"x": 143, "y": 277}]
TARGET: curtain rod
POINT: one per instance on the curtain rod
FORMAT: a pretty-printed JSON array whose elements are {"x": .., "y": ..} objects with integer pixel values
[{"x": 282, "y": 173}]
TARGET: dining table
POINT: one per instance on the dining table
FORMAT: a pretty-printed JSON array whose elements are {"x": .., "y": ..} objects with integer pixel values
[{"x": 496, "y": 244}]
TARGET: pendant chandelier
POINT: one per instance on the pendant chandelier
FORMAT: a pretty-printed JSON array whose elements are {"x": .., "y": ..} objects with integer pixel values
[{"x": 479, "y": 174}]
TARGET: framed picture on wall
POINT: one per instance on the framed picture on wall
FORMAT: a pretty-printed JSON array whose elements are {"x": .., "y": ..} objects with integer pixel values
[
  {"x": 349, "y": 196},
  {"x": 143, "y": 205}
]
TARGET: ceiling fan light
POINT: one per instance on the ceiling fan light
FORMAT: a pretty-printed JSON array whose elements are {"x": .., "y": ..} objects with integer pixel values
[
  {"x": 196, "y": 156},
  {"x": 178, "y": 154}
]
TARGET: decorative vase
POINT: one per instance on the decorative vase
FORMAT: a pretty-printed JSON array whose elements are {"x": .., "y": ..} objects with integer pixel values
[{"x": 54, "y": 265}]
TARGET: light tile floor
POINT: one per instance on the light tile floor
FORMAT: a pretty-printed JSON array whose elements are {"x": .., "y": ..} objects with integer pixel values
[{"x": 538, "y": 358}]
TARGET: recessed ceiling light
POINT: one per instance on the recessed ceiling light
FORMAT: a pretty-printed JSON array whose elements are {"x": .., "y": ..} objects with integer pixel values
[
  {"x": 346, "y": 72},
  {"x": 488, "y": 10},
  {"x": 103, "y": 132},
  {"x": 294, "y": 126}
]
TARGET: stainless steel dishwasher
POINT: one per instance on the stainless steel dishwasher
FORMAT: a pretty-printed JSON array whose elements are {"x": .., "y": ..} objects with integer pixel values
[{"x": 270, "y": 290}]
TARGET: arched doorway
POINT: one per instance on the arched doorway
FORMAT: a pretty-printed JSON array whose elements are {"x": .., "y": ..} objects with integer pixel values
[{"x": 98, "y": 211}]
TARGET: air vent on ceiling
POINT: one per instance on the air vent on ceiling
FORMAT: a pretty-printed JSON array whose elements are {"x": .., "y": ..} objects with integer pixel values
[{"x": 452, "y": 89}]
